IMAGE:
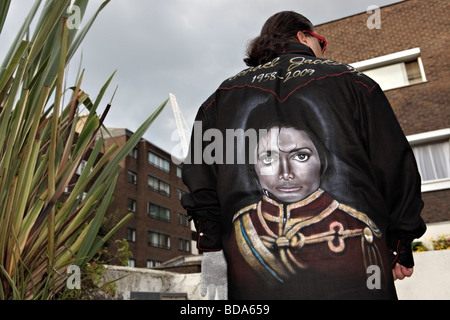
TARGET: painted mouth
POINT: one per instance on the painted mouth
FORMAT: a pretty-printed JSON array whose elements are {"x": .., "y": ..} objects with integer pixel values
[{"x": 289, "y": 188}]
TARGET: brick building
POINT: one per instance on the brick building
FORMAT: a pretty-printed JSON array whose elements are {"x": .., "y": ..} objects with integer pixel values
[
  {"x": 403, "y": 47},
  {"x": 150, "y": 186}
]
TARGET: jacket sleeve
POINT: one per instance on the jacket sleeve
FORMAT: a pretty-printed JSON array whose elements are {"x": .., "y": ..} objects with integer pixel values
[
  {"x": 202, "y": 203},
  {"x": 397, "y": 177}
]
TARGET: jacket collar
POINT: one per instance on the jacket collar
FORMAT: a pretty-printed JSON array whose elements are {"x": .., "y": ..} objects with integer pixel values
[
  {"x": 296, "y": 47},
  {"x": 311, "y": 205}
]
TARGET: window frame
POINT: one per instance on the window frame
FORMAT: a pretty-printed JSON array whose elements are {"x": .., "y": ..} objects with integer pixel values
[
  {"x": 161, "y": 236},
  {"x": 430, "y": 137},
  {"x": 131, "y": 205},
  {"x": 81, "y": 167},
  {"x": 162, "y": 185},
  {"x": 392, "y": 59},
  {"x": 131, "y": 262},
  {"x": 184, "y": 245},
  {"x": 158, "y": 216},
  {"x": 151, "y": 263},
  {"x": 131, "y": 234},
  {"x": 160, "y": 162},
  {"x": 132, "y": 177},
  {"x": 134, "y": 153}
]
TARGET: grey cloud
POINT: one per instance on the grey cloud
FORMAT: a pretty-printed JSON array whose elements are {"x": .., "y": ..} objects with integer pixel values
[{"x": 186, "y": 47}]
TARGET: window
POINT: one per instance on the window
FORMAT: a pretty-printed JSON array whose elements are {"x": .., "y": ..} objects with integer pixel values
[
  {"x": 82, "y": 196},
  {"x": 433, "y": 159},
  {"x": 432, "y": 152},
  {"x": 158, "y": 162},
  {"x": 179, "y": 172},
  {"x": 159, "y": 185},
  {"x": 394, "y": 70},
  {"x": 184, "y": 245},
  {"x": 132, "y": 177},
  {"x": 134, "y": 153},
  {"x": 164, "y": 188},
  {"x": 158, "y": 212},
  {"x": 153, "y": 263},
  {"x": 183, "y": 219},
  {"x": 180, "y": 193},
  {"x": 131, "y": 262},
  {"x": 131, "y": 205},
  {"x": 159, "y": 240},
  {"x": 131, "y": 235},
  {"x": 81, "y": 167}
]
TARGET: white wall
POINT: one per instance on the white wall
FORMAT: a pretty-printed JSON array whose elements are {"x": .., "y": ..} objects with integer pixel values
[
  {"x": 431, "y": 277},
  {"x": 434, "y": 231},
  {"x": 148, "y": 280}
]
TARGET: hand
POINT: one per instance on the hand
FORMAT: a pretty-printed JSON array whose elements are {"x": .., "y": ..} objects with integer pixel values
[
  {"x": 214, "y": 275},
  {"x": 400, "y": 272}
]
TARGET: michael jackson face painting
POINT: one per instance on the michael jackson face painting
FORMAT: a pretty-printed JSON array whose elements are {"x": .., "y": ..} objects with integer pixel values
[
  {"x": 287, "y": 164},
  {"x": 298, "y": 239}
]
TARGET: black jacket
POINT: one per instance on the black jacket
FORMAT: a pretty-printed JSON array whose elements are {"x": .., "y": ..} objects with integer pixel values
[{"x": 366, "y": 161}]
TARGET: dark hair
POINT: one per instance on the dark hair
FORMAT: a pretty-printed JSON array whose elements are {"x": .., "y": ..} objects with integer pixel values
[{"x": 278, "y": 30}]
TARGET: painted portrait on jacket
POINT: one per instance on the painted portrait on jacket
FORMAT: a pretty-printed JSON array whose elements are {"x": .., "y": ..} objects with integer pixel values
[{"x": 298, "y": 228}]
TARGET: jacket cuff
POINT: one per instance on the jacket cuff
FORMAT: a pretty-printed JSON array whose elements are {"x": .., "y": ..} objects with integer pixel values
[
  {"x": 401, "y": 252},
  {"x": 208, "y": 236}
]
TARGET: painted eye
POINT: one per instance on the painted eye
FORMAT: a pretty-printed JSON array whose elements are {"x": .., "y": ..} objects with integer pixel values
[
  {"x": 268, "y": 158},
  {"x": 301, "y": 157}
]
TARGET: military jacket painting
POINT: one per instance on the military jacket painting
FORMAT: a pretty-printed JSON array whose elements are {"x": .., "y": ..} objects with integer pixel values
[{"x": 300, "y": 172}]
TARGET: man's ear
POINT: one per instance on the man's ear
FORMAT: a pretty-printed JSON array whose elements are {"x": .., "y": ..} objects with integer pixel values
[{"x": 302, "y": 38}]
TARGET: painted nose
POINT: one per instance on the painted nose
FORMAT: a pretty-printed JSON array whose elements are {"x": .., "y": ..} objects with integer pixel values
[{"x": 285, "y": 170}]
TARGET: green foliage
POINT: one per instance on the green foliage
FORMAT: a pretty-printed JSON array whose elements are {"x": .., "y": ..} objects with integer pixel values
[
  {"x": 43, "y": 228},
  {"x": 418, "y": 246},
  {"x": 93, "y": 283},
  {"x": 440, "y": 243}
]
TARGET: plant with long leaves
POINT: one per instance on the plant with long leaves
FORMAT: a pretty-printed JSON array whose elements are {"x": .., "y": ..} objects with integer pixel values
[{"x": 44, "y": 228}]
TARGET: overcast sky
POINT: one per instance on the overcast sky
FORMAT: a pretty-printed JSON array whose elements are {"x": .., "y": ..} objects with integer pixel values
[{"x": 184, "y": 47}]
